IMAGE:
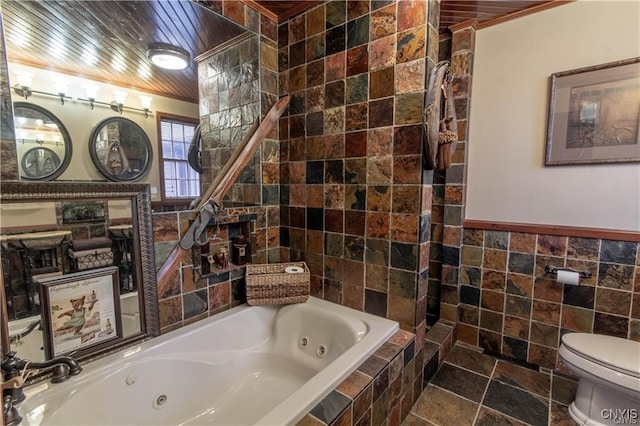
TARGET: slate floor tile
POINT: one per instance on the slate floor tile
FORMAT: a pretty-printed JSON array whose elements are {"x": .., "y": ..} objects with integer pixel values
[
  {"x": 523, "y": 378},
  {"x": 517, "y": 403},
  {"x": 489, "y": 417},
  {"x": 461, "y": 382},
  {"x": 471, "y": 388},
  {"x": 560, "y": 415},
  {"x": 441, "y": 407},
  {"x": 563, "y": 390},
  {"x": 471, "y": 360}
]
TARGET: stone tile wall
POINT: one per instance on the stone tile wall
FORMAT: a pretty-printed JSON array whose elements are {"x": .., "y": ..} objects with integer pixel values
[
  {"x": 510, "y": 306},
  {"x": 354, "y": 202},
  {"x": 187, "y": 299},
  {"x": 229, "y": 82},
  {"x": 454, "y": 179}
]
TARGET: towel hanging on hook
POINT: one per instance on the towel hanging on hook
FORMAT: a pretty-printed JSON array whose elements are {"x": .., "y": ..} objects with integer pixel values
[{"x": 441, "y": 126}]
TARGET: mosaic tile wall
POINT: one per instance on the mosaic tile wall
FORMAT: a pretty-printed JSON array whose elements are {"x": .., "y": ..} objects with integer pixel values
[
  {"x": 354, "y": 205},
  {"x": 510, "y": 306}
]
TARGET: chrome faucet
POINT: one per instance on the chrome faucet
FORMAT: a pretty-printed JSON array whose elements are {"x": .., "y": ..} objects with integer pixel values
[{"x": 13, "y": 368}]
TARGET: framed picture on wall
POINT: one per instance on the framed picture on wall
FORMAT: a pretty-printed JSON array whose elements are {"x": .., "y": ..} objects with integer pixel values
[
  {"x": 594, "y": 115},
  {"x": 80, "y": 311}
]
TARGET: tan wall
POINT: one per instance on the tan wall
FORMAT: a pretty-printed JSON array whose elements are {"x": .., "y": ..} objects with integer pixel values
[
  {"x": 513, "y": 61},
  {"x": 80, "y": 120}
]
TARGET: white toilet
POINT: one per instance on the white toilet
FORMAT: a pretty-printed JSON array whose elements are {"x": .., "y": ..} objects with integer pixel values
[{"x": 608, "y": 369}]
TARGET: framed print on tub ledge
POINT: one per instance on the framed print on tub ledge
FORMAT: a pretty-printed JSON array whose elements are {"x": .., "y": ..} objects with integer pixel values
[
  {"x": 81, "y": 311},
  {"x": 594, "y": 114}
]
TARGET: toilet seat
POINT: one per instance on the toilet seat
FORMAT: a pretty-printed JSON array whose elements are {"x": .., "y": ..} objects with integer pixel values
[{"x": 614, "y": 353}]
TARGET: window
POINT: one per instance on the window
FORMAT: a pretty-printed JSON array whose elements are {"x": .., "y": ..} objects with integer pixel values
[{"x": 180, "y": 180}]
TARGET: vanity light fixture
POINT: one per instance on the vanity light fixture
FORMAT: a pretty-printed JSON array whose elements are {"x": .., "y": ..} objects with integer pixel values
[
  {"x": 118, "y": 104},
  {"x": 92, "y": 93},
  {"x": 23, "y": 88},
  {"x": 117, "y": 107},
  {"x": 61, "y": 89},
  {"x": 168, "y": 57},
  {"x": 145, "y": 103}
]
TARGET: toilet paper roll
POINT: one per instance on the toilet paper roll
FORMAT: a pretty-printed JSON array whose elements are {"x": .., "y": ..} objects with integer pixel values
[
  {"x": 293, "y": 270},
  {"x": 568, "y": 277}
]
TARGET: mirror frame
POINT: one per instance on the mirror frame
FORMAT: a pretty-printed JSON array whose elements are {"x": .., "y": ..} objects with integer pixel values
[
  {"x": 68, "y": 145},
  {"x": 140, "y": 196},
  {"x": 96, "y": 160}
]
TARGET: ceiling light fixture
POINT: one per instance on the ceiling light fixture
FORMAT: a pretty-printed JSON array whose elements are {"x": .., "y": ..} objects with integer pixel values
[{"x": 169, "y": 57}]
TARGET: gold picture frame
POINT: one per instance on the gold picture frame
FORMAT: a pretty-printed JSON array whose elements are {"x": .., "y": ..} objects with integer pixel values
[{"x": 594, "y": 115}]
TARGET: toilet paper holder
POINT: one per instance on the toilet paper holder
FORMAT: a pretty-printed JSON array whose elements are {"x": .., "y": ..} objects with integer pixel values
[{"x": 554, "y": 270}]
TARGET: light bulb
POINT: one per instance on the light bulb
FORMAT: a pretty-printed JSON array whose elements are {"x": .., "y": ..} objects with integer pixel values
[
  {"x": 120, "y": 96},
  {"x": 91, "y": 91},
  {"x": 145, "y": 102},
  {"x": 24, "y": 78}
]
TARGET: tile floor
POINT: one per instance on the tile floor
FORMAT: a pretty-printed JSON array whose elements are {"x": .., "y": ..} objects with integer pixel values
[{"x": 471, "y": 388}]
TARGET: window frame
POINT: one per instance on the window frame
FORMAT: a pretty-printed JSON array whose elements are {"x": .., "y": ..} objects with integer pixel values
[{"x": 161, "y": 116}]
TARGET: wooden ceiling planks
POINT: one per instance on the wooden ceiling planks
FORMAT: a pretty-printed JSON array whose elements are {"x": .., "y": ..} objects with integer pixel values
[
  {"x": 453, "y": 12},
  {"x": 282, "y": 10},
  {"x": 118, "y": 33}
]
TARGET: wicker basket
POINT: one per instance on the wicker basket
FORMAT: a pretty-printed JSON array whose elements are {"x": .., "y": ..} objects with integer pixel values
[{"x": 269, "y": 284}]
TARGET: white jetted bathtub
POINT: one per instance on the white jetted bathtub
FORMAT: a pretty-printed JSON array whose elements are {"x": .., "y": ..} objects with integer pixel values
[{"x": 250, "y": 365}]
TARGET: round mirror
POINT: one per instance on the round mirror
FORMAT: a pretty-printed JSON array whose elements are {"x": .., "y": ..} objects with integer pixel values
[
  {"x": 43, "y": 143},
  {"x": 120, "y": 149}
]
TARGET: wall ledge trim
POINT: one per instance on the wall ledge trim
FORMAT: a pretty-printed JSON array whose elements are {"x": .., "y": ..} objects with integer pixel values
[{"x": 567, "y": 231}]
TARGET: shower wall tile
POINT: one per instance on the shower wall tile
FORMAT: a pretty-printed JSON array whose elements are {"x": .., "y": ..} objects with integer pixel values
[
  {"x": 352, "y": 191},
  {"x": 188, "y": 296}
]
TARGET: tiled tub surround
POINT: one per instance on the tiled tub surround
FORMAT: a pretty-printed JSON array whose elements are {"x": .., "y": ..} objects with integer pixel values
[
  {"x": 510, "y": 306},
  {"x": 471, "y": 388},
  {"x": 385, "y": 387}
]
